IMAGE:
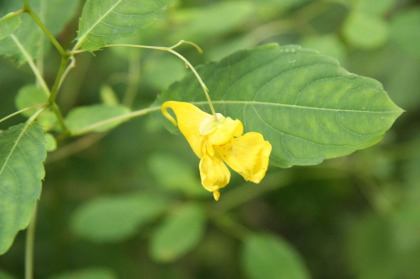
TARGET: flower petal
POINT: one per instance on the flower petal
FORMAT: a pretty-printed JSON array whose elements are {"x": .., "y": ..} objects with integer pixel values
[
  {"x": 225, "y": 131},
  {"x": 248, "y": 155},
  {"x": 189, "y": 118},
  {"x": 214, "y": 174}
]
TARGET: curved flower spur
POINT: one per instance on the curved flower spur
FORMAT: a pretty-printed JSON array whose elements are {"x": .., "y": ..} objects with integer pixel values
[{"x": 216, "y": 139}]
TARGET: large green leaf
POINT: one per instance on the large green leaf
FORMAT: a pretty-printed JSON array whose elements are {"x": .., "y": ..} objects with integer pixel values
[
  {"x": 269, "y": 257},
  {"x": 22, "y": 153},
  {"x": 178, "y": 234},
  {"x": 111, "y": 219},
  {"x": 55, "y": 14},
  {"x": 305, "y": 104},
  {"x": 8, "y": 24},
  {"x": 83, "y": 119},
  {"x": 105, "y": 21}
]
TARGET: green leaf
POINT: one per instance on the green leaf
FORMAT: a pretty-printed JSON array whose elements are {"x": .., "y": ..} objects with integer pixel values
[
  {"x": 116, "y": 218},
  {"x": 30, "y": 95},
  {"x": 269, "y": 257},
  {"x": 179, "y": 176},
  {"x": 88, "y": 273},
  {"x": 105, "y": 21},
  {"x": 22, "y": 153},
  {"x": 86, "y": 118},
  {"x": 304, "y": 104},
  {"x": 50, "y": 143},
  {"x": 178, "y": 234},
  {"x": 8, "y": 24},
  {"x": 55, "y": 14},
  {"x": 365, "y": 31},
  {"x": 405, "y": 33}
]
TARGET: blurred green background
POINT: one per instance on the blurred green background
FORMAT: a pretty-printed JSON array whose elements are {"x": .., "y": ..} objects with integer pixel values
[{"x": 129, "y": 204}]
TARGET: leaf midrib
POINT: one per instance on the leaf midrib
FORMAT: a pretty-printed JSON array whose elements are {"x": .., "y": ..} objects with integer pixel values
[
  {"x": 14, "y": 147},
  {"x": 294, "y": 106},
  {"x": 84, "y": 36}
]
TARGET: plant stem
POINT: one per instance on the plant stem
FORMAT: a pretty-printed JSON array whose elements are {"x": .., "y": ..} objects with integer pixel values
[
  {"x": 29, "y": 246},
  {"x": 47, "y": 32},
  {"x": 22, "y": 110},
  {"x": 171, "y": 50},
  {"x": 119, "y": 118},
  {"x": 57, "y": 82},
  {"x": 60, "y": 119},
  {"x": 35, "y": 70}
]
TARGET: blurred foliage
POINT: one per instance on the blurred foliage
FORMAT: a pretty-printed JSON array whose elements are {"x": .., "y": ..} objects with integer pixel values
[{"x": 128, "y": 203}]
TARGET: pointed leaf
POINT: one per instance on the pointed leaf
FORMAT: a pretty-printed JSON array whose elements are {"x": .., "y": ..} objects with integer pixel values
[
  {"x": 111, "y": 219},
  {"x": 178, "y": 234},
  {"x": 105, "y": 21},
  {"x": 83, "y": 119},
  {"x": 269, "y": 257},
  {"x": 22, "y": 153},
  {"x": 305, "y": 104}
]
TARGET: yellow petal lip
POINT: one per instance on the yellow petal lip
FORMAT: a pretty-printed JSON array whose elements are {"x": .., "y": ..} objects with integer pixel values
[
  {"x": 217, "y": 140},
  {"x": 214, "y": 173}
]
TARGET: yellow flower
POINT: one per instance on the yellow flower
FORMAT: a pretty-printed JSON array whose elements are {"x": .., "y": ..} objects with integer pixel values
[{"x": 215, "y": 139}]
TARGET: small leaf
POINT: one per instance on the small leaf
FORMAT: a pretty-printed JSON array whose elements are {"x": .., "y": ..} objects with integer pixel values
[
  {"x": 405, "y": 33},
  {"x": 365, "y": 31},
  {"x": 88, "y": 273},
  {"x": 85, "y": 118},
  {"x": 304, "y": 103},
  {"x": 8, "y": 24},
  {"x": 30, "y": 95},
  {"x": 22, "y": 153},
  {"x": 116, "y": 218},
  {"x": 269, "y": 257},
  {"x": 50, "y": 143},
  {"x": 178, "y": 234},
  {"x": 105, "y": 21}
]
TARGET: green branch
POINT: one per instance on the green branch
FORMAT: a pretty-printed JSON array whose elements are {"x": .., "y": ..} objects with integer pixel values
[
  {"x": 119, "y": 118},
  {"x": 47, "y": 32}
]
